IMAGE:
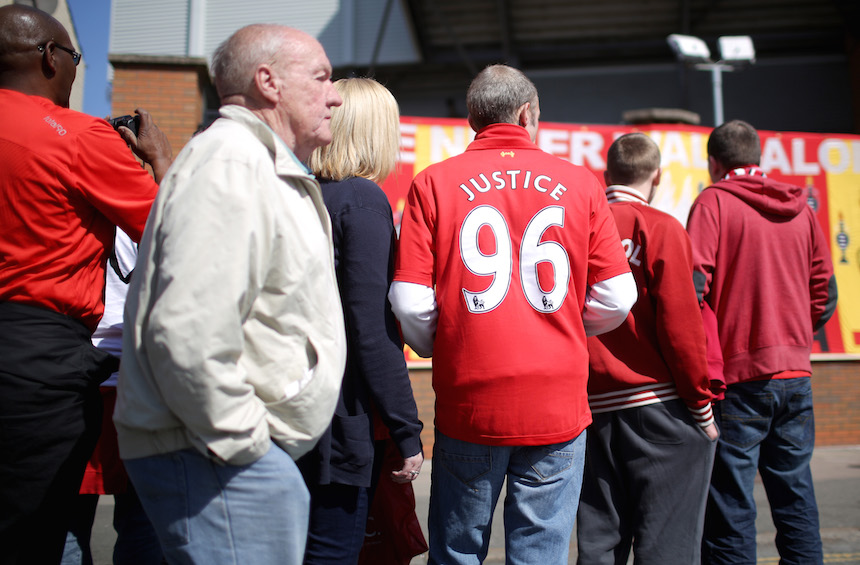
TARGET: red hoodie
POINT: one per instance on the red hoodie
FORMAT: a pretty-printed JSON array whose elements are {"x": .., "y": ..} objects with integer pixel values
[{"x": 762, "y": 263}]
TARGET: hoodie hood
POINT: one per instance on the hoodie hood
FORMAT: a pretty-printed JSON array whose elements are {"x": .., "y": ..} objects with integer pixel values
[{"x": 765, "y": 194}]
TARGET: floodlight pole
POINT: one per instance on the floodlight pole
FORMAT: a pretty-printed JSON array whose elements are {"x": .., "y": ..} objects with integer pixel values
[{"x": 716, "y": 86}]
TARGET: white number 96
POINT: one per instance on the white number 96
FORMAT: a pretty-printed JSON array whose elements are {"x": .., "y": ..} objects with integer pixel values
[{"x": 499, "y": 265}]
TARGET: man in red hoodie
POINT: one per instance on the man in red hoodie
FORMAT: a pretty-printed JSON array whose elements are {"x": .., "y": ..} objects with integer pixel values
[
  {"x": 762, "y": 263},
  {"x": 651, "y": 444}
]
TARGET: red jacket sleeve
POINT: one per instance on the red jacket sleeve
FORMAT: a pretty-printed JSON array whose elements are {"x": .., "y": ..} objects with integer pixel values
[{"x": 680, "y": 330}]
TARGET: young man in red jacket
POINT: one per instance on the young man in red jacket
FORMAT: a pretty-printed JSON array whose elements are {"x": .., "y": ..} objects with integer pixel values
[
  {"x": 651, "y": 444},
  {"x": 762, "y": 264}
]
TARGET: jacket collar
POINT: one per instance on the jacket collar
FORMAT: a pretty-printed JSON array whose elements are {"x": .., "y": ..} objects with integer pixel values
[
  {"x": 286, "y": 162},
  {"x": 621, "y": 193},
  {"x": 495, "y": 136}
]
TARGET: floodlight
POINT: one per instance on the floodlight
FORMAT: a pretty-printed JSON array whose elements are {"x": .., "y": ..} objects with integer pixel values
[
  {"x": 735, "y": 52},
  {"x": 737, "y": 48},
  {"x": 689, "y": 49}
]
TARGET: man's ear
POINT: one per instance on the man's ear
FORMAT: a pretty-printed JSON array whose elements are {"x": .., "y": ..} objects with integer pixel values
[
  {"x": 472, "y": 123},
  {"x": 49, "y": 61},
  {"x": 524, "y": 117},
  {"x": 655, "y": 182},
  {"x": 267, "y": 84},
  {"x": 715, "y": 169}
]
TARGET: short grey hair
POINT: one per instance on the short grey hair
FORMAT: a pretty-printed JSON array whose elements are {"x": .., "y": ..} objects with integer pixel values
[
  {"x": 495, "y": 95},
  {"x": 236, "y": 60}
]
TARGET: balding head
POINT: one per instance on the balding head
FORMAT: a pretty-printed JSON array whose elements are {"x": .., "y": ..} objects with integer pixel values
[
  {"x": 282, "y": 75},
  {"x": 235, "y": 61},
  {"x": 29, "y": 61}
]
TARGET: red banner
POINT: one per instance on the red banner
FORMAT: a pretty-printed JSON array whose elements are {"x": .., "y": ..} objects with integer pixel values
[{"x": 827, "y": 165}]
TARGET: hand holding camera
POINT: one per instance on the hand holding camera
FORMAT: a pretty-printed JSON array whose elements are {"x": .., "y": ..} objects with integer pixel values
[
  {"x": 145, "y": 140},
  {"x": 131, "y": 122}
]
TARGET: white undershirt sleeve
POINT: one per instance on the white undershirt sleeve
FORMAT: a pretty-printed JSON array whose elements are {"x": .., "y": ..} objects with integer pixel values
[
  {"x": 607, "y": 304},
  {"x": 415, "y": 308}
]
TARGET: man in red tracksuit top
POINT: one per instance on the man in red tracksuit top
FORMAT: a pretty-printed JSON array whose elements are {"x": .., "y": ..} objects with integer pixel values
[
  {"x": 651, "y": 445},
  {"x": 762, "y": 263},
  {"x": 508, "y": 258}
]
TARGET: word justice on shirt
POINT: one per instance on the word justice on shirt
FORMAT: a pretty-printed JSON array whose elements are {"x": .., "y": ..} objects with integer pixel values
[{"x": 513, "y": 179}]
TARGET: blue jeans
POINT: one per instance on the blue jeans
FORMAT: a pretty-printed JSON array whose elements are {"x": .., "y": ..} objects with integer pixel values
[
  {"x": 337, "y": 524},
  {"x": 204, "y": 512},
  {"x": 543, "y": 484},
  {"x": 766, "y": 426}
]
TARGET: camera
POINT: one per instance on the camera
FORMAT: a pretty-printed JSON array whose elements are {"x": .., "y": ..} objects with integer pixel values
[{"x": 131, "y": 122}]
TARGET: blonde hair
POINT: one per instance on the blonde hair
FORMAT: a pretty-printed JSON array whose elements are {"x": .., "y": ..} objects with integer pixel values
[{"x": 365, "y": 133}]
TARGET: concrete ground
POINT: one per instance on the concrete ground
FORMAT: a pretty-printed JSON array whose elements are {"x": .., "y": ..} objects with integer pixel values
[{"x": 836, "y": 471}]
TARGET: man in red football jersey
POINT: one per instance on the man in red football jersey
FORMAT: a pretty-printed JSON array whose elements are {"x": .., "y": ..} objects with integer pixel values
[{"x": 508, "y": 258}]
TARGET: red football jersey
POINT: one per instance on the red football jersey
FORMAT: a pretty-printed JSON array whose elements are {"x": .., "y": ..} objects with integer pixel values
[{"x": 511, "y": 237}]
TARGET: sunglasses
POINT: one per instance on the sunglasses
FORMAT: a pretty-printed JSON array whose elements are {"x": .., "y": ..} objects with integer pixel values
[{"x": 76, "y": 57}]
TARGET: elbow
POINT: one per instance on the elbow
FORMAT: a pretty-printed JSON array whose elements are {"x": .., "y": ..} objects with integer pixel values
[
  {"x": 419, "y": 333},
  {"x": 628, "y": 295},
  {"x": 830, "y": 306},
  {"x": 421, "y": 349},
  {"x": 414, "y": 306},
  {"x": 613, "y": 322},
  {"x": 609, "y": 304}
]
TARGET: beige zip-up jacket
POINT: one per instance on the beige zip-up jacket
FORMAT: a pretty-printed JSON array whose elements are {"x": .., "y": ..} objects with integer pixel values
[{"x": 234, "y": 331}]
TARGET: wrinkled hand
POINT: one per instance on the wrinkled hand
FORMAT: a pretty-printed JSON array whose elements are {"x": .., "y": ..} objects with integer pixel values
[
  {"x": 150, "y": 144},
  {"x": 409, "y": 471},
  {"x": 712, "y": 432}
]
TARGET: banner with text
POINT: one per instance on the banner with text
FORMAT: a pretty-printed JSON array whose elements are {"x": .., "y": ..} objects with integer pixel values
[{"x": 828, "y": 166}]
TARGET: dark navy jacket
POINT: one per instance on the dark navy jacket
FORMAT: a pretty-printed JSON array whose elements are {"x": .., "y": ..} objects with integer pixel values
[{"x": 375, "y": 375}]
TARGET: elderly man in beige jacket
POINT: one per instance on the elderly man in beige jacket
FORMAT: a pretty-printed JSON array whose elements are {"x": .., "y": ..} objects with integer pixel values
[{"x": 235, "y": 345}]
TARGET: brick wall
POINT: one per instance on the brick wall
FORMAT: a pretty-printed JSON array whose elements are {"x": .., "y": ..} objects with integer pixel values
[
  {"x": 835, "y": 390},
  {"x": 836, "y": 393},
  {"x": 173, "y": 91}
]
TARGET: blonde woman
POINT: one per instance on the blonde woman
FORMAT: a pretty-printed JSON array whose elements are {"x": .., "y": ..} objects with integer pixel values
[{"x": 339, "y": 471}]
